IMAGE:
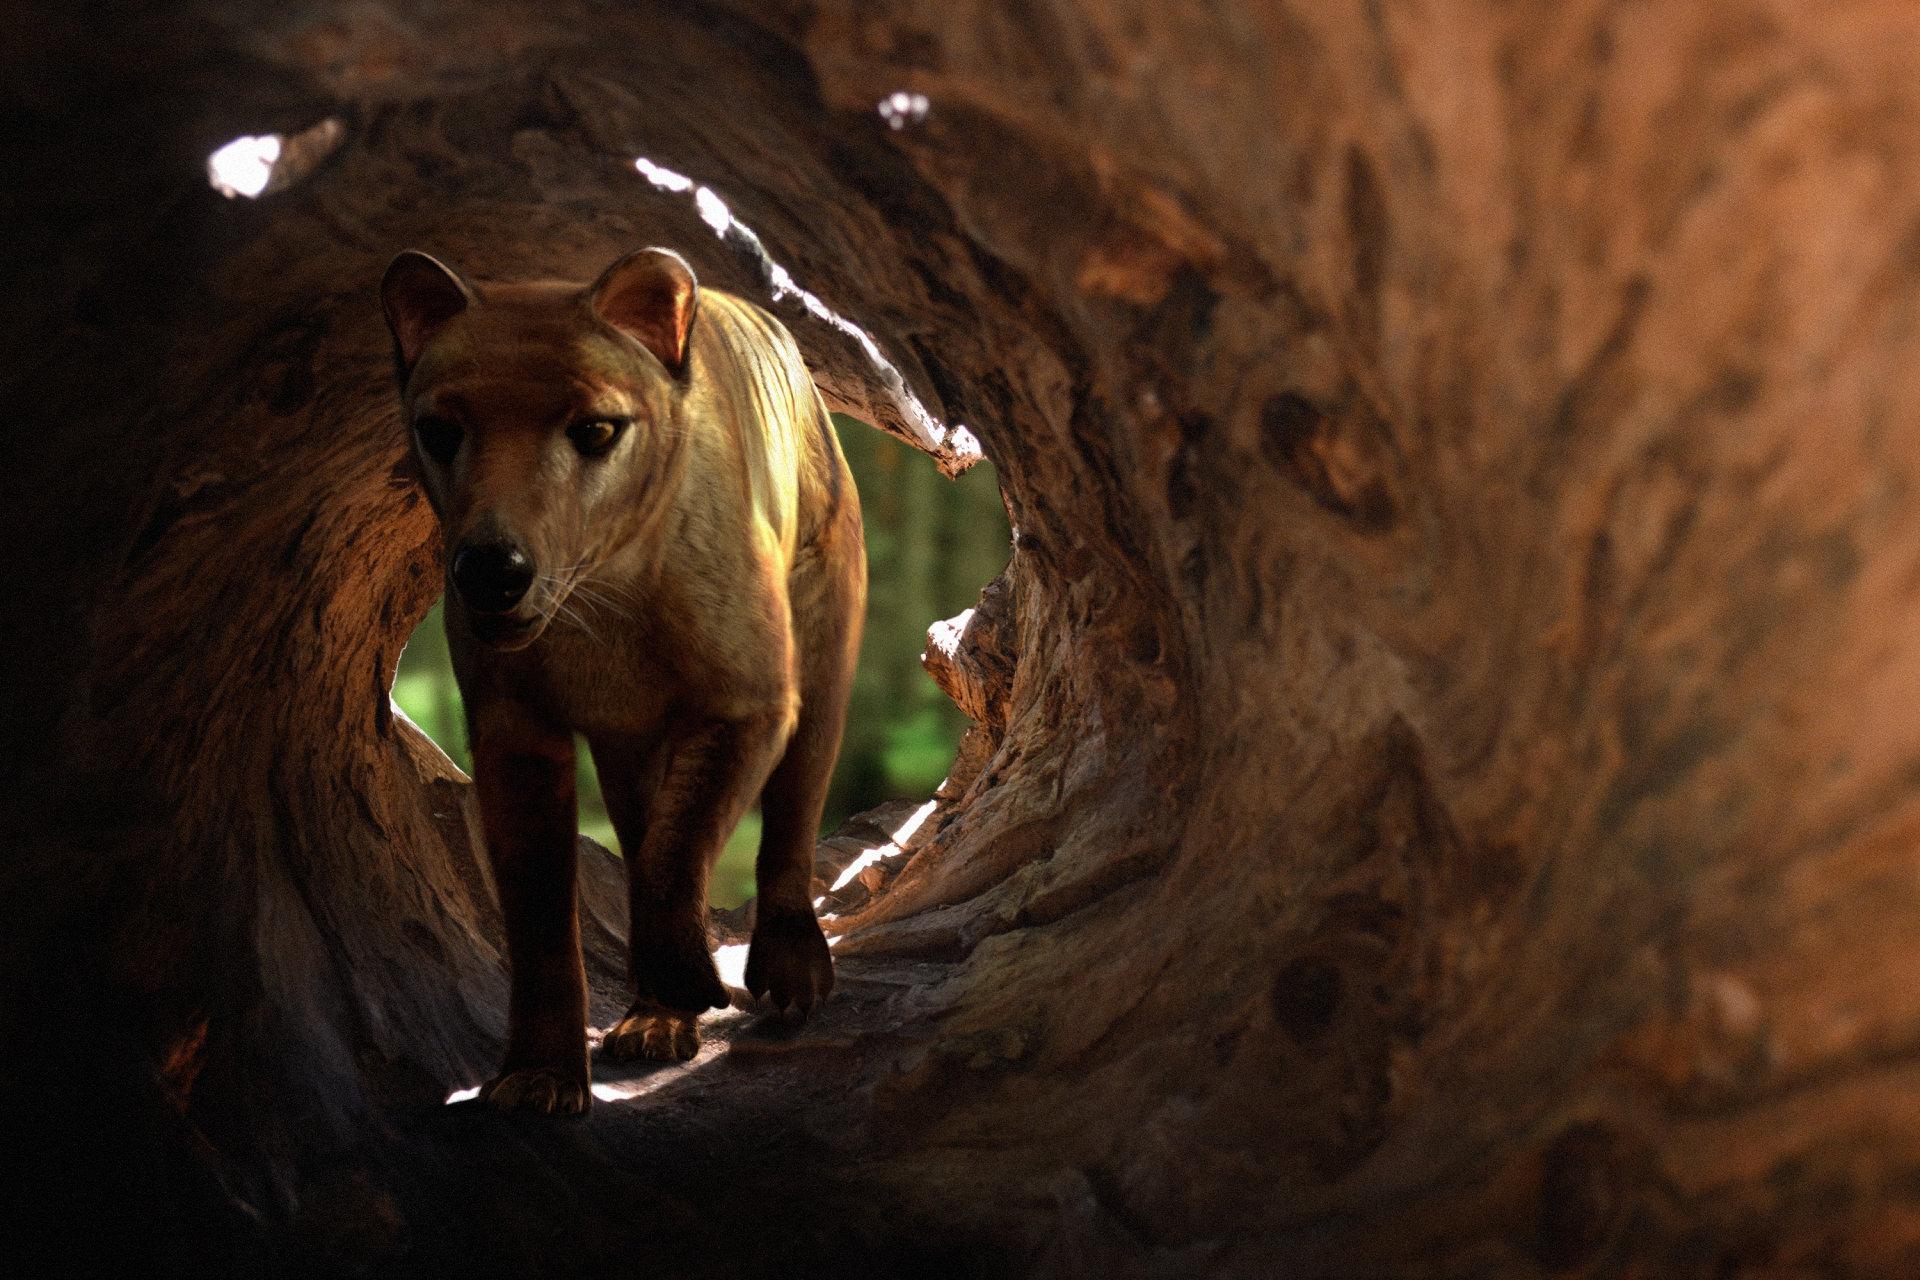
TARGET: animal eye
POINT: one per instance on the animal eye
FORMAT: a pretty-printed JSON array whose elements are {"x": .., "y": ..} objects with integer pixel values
[
  {"x": 595, "y": 436},
  {"x": 439, "y": 438}
]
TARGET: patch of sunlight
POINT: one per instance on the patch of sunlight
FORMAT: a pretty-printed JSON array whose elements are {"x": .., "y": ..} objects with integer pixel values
[
  {"x": 603, "y": 1091},
  {"x": 915, "y": 820},
  {"x": 253, "y": 165},
  {"x": 665, "y": 179},
  {"x": 954, "y": 443},
  {"x": 244, "y": 166},
  {"x": 713, "y": 211},
  {"x": 879, "y": 853},
  {"x": 732, "y": 963},
  {"x": 900, "y": 109},
  {"x": 623, "y": 1091}
]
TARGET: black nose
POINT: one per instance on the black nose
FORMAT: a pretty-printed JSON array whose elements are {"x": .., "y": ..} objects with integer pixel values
[{"x": 491, "y": 576}]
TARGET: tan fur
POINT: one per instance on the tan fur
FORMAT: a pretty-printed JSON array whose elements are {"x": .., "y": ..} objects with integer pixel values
[{"x": 696, "y": 616}]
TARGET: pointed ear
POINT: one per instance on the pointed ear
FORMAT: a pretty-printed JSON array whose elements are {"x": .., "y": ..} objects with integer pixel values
[
  {"x": 420, "y": 295},
  {"x": 650, "y": 295}
]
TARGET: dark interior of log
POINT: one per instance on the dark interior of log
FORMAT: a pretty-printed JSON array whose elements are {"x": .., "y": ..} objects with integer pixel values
[{"x": 1442, "y": 794}]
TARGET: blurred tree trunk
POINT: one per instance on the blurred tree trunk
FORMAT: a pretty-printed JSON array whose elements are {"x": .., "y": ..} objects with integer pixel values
[{"x": 1444, "y": 795}]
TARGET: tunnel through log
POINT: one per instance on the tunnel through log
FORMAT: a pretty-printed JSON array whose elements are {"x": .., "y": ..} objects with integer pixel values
[{"x": 1446, "y": 804}]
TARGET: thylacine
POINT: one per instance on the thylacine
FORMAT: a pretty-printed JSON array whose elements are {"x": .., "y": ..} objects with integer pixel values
[{"x": 653, "y": 541}]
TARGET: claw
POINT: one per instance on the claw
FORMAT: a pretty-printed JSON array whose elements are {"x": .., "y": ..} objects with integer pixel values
[
  {"x": 788, "y": 962},
  {"x": 545, "y": 1090},
  {"x": 653, "y": 1032}
]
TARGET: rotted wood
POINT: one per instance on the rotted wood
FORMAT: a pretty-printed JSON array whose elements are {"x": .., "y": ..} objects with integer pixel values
[{"x": 971, "y": 656}]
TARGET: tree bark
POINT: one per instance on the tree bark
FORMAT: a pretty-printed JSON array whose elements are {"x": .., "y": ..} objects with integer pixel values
[{"x": 1446, "y": 807}]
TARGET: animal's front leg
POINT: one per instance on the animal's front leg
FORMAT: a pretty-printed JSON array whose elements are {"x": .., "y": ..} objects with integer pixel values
[
  {"x": 717, "y": 769},
  {"x": 523, "y": 773}
]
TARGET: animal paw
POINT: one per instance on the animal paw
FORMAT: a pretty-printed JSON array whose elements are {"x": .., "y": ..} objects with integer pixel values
[
  {"x": 788, "y": 961},
  {"x": 653, "y": 1032},
  {"x": 546, "y": 1090},
  {"x": 680, "y": 976}
]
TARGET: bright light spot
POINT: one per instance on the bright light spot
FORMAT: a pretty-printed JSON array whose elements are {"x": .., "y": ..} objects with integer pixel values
[
  {"x": 261, "y": 163},
  {"x": 617, "y": 1092},
  {"x": 964, "y": 443},
  {"x": 916, "y": 819},
  {"x": 663, "y": 178},
  {"x": 949, "y": 631},
  {"x": 713, "y": 211},
  {"x": 732, "y": 963},
  {"x": 855, "y": 867},
  {"x": 244, "y": 166},
  {"x": 880, "y": 853},
  {"x": 936, "y": 437},
  {"x": 900, "y": 109}
]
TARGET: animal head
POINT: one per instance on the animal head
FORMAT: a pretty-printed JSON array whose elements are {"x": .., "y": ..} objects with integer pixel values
[{"x": 543, "y": 416}]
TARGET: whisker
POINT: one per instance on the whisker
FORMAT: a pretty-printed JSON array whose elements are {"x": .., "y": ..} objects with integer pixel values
[
  {"x": 569, "y": 616},
  {"x": 620, "y": 590},
  {"x": 608, "y": 587},
  {"x": 580, "y": 602},
  {"x": 593, "y": 599}
]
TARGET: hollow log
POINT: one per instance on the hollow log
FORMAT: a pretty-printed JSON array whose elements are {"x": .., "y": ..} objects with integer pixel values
[{"x": 1445, "y": 800}]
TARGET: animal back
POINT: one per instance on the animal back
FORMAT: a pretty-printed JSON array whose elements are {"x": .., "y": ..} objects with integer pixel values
[{"x": 775, "y": 406}]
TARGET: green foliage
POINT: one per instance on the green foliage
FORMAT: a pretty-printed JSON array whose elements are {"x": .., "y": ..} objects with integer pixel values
[{"x": 931, "y": 546}]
